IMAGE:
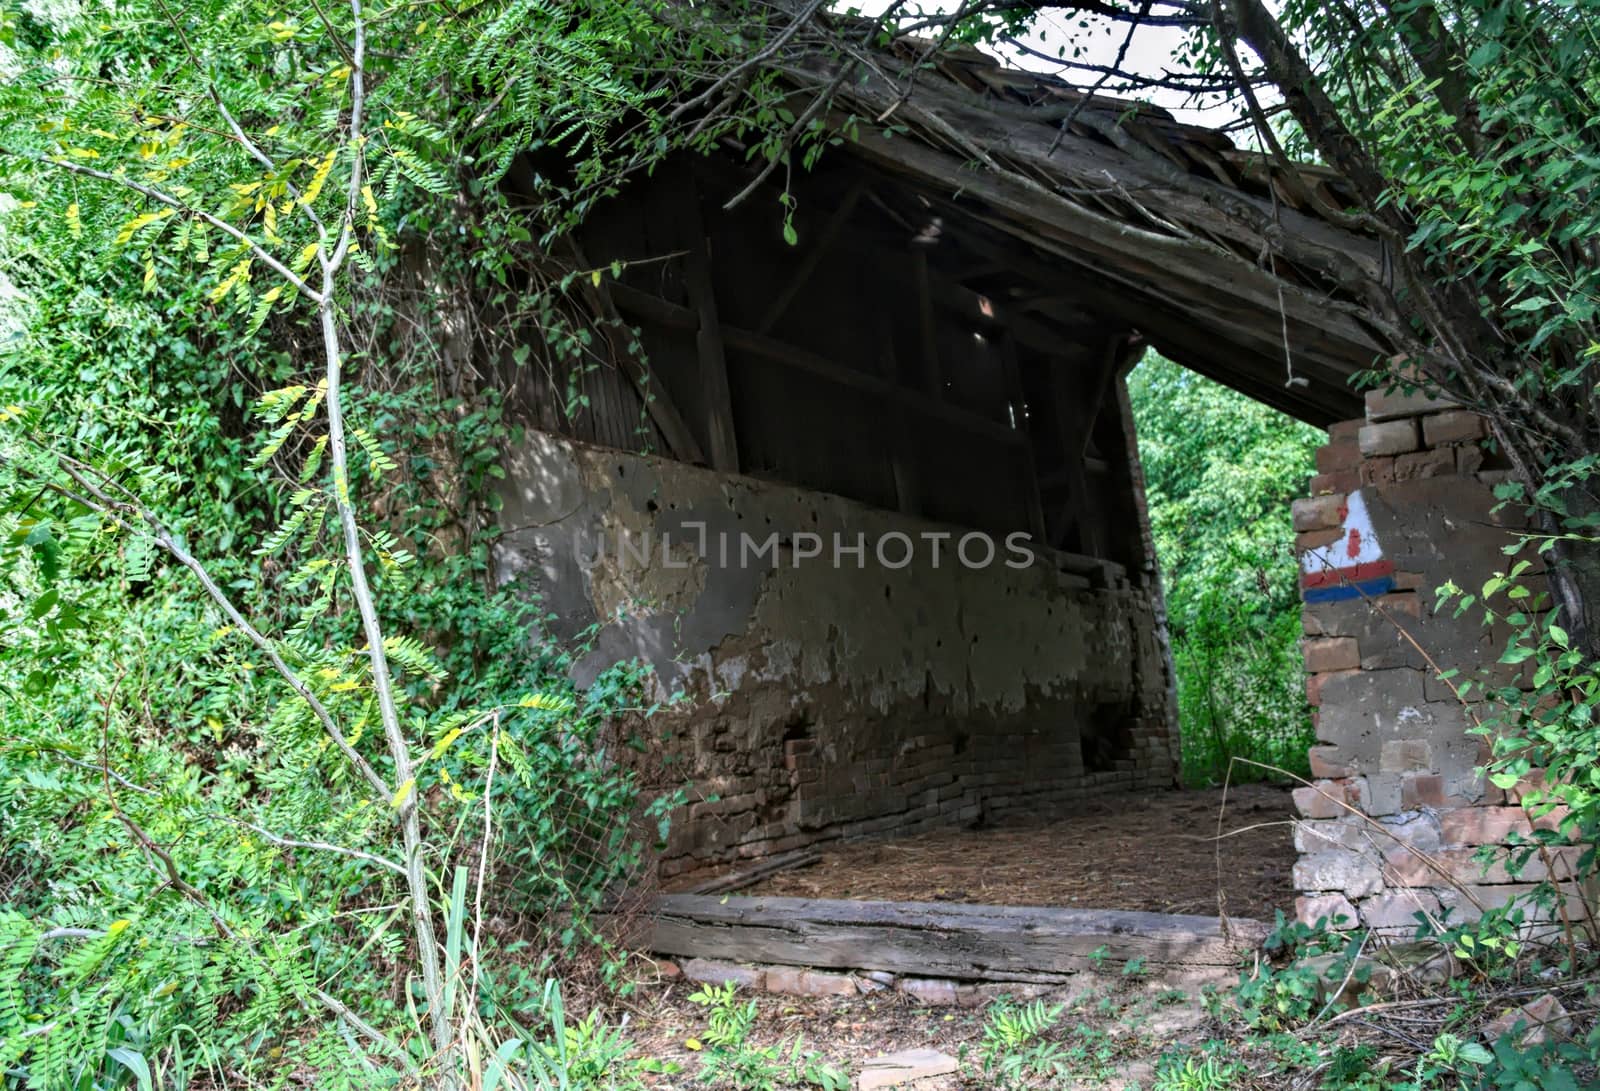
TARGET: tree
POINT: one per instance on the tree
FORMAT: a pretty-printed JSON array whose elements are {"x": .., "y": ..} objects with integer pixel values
[
  {"x": 1220, "y": 472},
  {"x": 1464, "y": 132},
  {"x": 225, "y": 671}
]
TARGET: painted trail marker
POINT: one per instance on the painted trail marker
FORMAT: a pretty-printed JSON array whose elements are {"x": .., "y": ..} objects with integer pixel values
[{"x": 1350, "y": 567}]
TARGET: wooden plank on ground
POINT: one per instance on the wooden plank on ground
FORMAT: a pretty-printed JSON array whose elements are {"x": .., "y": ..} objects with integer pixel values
[{"x": 937, "y": 939}]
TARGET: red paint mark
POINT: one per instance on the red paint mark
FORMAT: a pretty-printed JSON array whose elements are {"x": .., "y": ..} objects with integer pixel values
[
  {"x": 1356, "y": 573},
  {"x": 1353, "y": 543},
  {"x": 1344, "y": 511}
]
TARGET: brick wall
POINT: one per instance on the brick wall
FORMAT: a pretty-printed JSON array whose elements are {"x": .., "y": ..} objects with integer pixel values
[
  {"x": 838, "y": 697},
  {"x": 1397, "y": 813}
]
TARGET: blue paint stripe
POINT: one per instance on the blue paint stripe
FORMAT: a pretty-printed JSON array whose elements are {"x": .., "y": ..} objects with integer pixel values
[{"x": 1339, "y": 592}]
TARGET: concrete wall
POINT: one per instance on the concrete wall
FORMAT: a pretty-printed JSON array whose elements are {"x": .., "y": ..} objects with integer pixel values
[
  {"x": 828, "y": 699},
  {"x": 1392, "y": 825}
]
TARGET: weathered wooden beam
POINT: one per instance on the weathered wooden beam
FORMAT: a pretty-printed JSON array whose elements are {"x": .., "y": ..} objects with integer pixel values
[
  {"x": 1043, "y": 333},
  {"x": 1118, "y": 355},
  {"x": 902, "y": 452},
  {"x": 967, "y": 942},
  {"x": 708, "y": 338},
  {"x": 654, "y": 309},
  {"x": 680, "y": 439},
  {"x": 1219, "y": 294},
  {"x": 1020, "y": 420},
  {"x": 928, "y": 366},
  {"x": 1075, "y": 413},
  {"x": 1232, "y": 356},
  {"x": 813, "y": 256},
  {"x": 780, "y": 352}
]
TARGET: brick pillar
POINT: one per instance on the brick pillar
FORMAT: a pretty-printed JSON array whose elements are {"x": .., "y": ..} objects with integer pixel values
[{"x": 1402, "y": 501}]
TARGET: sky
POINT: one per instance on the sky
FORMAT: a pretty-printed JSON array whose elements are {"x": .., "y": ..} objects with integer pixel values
[{"x": 1094, "y": 40}]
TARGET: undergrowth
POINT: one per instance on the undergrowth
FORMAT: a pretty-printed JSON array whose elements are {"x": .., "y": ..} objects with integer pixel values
[{"x": 1220, "y": 473}]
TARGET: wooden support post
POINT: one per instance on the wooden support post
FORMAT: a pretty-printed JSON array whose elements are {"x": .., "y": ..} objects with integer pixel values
[
  {"x": 813, "y": 256},
  {"x": 708, "y": 338},
  {"x": 902, "y": 453},
  {"x": 1110, "y": 367},
  {"x": 929, "y": 371},
  {"x": 1019, "y": 412},
  {"x": 1075, "y": 420},
  {"x": 680, "y": 439}
]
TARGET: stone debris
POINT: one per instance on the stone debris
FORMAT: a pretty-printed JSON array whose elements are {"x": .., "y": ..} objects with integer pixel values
[
  {"x": 793, "y": 981},
  {"x": 1541, "y": 1020},
  {"x": 895, "y": 1069},
  {"x": 710, "y": 971}
]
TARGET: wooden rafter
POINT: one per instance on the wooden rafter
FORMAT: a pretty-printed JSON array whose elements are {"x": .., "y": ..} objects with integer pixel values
[
  {"x": 780, "y": 352},
  {"x": 679, "y": 437},
  {"x": 813, "y": 256}
]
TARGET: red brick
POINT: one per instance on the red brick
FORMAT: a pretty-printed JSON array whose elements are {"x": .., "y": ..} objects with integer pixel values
[
  {"x": 933, "y": 991},
  {"x": 710, "y": 971},
  {"x": 1483, "y": 825},
  {"x": 1340, "y": 481},
  {"x": 1452, "y": 426},
  {"x": 1408, "y": 581},
  {"x": 1405, "y": 756},
  {"x": 1532, "y": 783},
  {"x": 792, "y": 981},
  {"x": 1421, "y": 790},
  {"x": 1318, "y": 512},
  {"x": 1315, "y": 682},
  {"x": 1331, "y": 653},
  {"x": 1424, "y": 464},
  {"x": 1322, "y": 799},
  {"x": 1395, "y": 437},
  {"x": 1409, "y": 605},
  {"x": 1345, "y": 431},
  {"x": 1324, "y": 765},
  {"x": 1383, "y": 406},
  {"x": 1377, "y": 471},
  {"x": 1461, "y": 865},
  {"x": 1404, "y": 868},
  {"x": 1316, "y": 539},
  {"x": 1338, "y": 456},
  {"x": 1398, "y": 911}
]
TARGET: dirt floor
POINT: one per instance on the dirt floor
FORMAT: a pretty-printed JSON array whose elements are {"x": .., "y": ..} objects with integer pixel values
[
  {"x": 1156, "y": 851},
  {"x": 1113, "y": 1031}
]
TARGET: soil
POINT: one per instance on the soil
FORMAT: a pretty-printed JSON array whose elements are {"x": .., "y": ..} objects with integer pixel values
[
  {"x": 1112, "y": 1028},
  {"x": 1155, "y": 851}
]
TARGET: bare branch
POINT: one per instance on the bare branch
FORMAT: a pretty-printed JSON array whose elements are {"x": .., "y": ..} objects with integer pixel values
[{"x": 118, "y": 511}]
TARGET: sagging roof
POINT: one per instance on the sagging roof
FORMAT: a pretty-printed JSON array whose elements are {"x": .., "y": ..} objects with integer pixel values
[{"x": 1158, "y": 224}]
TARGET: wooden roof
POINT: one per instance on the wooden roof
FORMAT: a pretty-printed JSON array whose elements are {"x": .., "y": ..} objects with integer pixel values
[{"x": 1159, "y": 225}]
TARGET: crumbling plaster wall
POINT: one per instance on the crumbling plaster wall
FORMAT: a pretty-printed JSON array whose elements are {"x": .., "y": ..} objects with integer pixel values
[
  {"x": 1396, "y": 817},
  {"x": 826, "y": 699}
]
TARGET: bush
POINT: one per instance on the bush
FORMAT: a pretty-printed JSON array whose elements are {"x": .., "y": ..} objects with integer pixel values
[{"x": 1220, "y": 474}]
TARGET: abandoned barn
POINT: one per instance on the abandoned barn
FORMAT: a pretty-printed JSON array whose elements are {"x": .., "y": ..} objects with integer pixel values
[{"x": 870, "y": 497}]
